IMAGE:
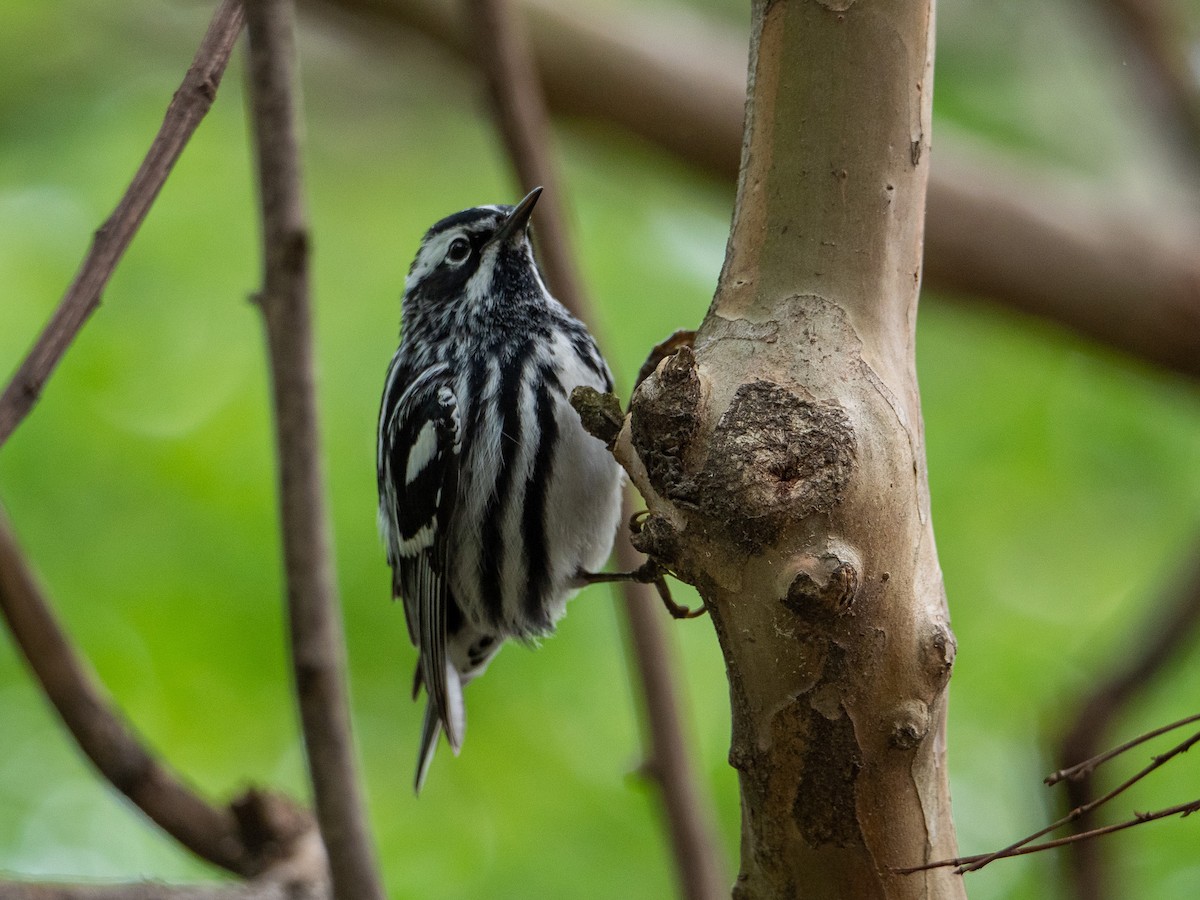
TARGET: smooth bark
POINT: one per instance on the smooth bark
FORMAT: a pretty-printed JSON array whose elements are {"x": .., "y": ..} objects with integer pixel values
[{"x": 783, "y": 464}]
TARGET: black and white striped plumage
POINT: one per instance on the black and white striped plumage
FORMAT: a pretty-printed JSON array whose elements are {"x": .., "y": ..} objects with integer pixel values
[{"x": 492, "y": 499}]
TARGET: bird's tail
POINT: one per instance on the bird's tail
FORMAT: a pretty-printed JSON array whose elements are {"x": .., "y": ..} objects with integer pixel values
[{"x": 453, "y": 721}]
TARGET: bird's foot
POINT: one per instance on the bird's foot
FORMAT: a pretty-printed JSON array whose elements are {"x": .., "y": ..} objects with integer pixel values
[{"x": 648, "y": 572}]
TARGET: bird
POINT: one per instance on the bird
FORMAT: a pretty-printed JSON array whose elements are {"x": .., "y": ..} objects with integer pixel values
[{"x": 495, "y": 506}]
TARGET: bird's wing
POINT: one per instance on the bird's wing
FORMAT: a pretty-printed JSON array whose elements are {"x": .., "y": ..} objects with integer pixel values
[{"x": 418, "y": 487}]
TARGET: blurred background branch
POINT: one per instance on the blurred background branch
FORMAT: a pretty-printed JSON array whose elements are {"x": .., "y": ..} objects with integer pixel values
[
  {"x": 503, "y": 57},
  {"x": 273, "y": 889},
  {"x": 1014, "y": 237}
]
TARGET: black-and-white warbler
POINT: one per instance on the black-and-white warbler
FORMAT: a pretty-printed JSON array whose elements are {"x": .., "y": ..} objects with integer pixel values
[{"x": 494, "y": 503}]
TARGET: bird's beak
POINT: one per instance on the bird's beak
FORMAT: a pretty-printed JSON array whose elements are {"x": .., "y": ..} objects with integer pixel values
[{"x": 517, "y": 219}]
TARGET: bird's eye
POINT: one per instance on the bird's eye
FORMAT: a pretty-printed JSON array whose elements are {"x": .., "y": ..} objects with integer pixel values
[{"x": 460, "y": 249}]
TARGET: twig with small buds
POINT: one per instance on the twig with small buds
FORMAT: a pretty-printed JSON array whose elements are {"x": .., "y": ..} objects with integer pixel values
[
  {"x": 1085, "y": 768},
  {"x": 964, "y": 864},
  {"x": 188, "y": 107},
  {"x": 974, "y": 863},
  {"x": 1169, "y": 630},
  {"x": 316, "y": 634},
  {"x": 521, "y": 116}
]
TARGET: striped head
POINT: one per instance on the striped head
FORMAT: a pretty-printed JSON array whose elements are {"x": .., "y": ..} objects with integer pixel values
[{"x": 475, "y": 258}]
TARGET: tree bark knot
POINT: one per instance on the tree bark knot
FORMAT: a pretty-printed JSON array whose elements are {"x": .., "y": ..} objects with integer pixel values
[
  {"x": 600, "y": 414},
  {"x": 774, "y": 457},
  {"x": 824, "y": 587},
  {"x": 270, "y": 825}
]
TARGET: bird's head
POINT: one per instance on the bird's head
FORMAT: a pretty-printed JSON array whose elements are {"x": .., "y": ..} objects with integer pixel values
[{"x": 474, "y": 255}]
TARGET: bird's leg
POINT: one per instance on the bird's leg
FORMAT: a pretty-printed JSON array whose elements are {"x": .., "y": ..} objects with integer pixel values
[{"x": 648, "y": 572}]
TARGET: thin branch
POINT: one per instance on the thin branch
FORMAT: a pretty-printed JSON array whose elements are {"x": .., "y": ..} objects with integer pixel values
[
  {"x": 218, "y": 835},
  {"x": 969, "y": 863},
  {"x": 1170, "y": 630},
  {"x": 189, "y": 105},
  {"x": 1081, "y": 811},
  {"x": 1080, "y": 770},
  {"x": 317, "y": 643},
  {"x": 513, "y": 84},
  {"x": 1125, "y": 278},
  {"x": 974, "y": 863}
]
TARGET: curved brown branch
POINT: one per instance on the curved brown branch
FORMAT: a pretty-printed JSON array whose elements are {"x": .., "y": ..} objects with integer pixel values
[
  {"x": 189, "y": 105},
  {"x": 1018, "y": 239},
  {"x": 317, "y": 643},
  {"x": 503, "y": 57},
  {"x": 246, "y": 838},
  {"x": 1128, "y": 279}
]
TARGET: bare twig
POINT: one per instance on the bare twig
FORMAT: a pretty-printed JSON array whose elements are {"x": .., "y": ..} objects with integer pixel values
[
  {"x": 971, "y": 863},
  {"x": 1080, "y": 811},
  {"x": 1129, "y": 280},
  {"x": 189, "y": 105},
  {"x": 317, "y": 643},
  {"x": 1171, "y": 629},
  {"x": 1085, "y": 768},
  {"x": 974, "y": 863},
  {"x": 218, "y": 835},
  {"x": 521, "y": 118}
]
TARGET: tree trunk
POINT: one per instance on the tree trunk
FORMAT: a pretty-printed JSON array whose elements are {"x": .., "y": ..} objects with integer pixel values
[{"x": 783, "y": 463}]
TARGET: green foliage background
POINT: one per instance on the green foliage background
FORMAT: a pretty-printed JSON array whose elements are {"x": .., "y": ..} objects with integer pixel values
[{"x": 1065, "y": 480}]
